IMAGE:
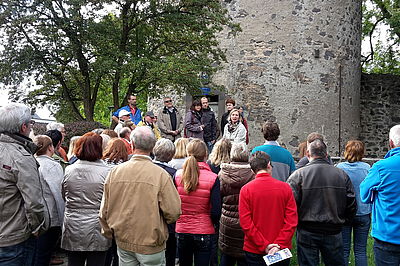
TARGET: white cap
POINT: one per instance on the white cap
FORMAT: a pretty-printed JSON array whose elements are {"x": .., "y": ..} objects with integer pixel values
[{"x": 123, "y": 112}]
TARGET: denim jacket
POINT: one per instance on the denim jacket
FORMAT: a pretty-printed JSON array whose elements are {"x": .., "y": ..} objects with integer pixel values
[{"x": 357, "y": 171}]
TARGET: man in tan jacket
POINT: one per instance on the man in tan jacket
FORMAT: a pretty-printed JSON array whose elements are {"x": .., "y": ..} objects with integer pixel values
[{"x": 139, "y": 201}]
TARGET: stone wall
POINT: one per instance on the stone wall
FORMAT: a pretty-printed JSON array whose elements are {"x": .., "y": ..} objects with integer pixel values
[
  {"x": 296, "y": 62},
  {"x": 379, "y": 111}
]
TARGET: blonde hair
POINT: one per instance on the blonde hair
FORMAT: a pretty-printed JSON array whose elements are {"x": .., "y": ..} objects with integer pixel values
[
  {"x": 197, "y": 151},
  {"x": 235, "y": 110},
  {"x": 43, "y": 142},
  {"x": 354, "y": 151},
  {"x": 180, "y": 145},
  {"x": 71, "y": 148},
  {"x": 221, "y": 152}
]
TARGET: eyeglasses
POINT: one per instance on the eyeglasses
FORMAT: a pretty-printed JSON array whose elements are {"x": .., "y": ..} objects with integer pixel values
[
  {"x": 32, "y": 122},
  {"x": 168, "y": 101}
]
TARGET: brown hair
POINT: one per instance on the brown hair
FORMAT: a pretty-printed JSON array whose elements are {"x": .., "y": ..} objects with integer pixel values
[
  {"x": 89, "y": 147},
  {"x": 43, "y": 142},
  {"x": 354, "y": 151},
  {"x": 271, "y": 131},
  {"x": 180, "y": 145},
  {"x": 110, "y": 133},
  {"x": 313, "y": 136},
  {"x": 116, "y": 151},
  {"x": 302, "y": 149},
  {"x": 230, "y": 100},
  {"x": 197, "y": 151}
]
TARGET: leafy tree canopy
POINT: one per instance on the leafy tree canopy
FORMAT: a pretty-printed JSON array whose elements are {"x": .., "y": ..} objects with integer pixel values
[
  {"x": 88, "y": 55},
  {"x": 384, "y": 56}
]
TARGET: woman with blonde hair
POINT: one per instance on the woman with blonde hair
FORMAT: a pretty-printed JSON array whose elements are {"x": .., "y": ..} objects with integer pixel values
[
  {"x": 220, "y": 154},
  {"x": 199, "y": 190},
  {"x": 180, "y": 153},
  {"x": 115, "y": 152},
  {"x": 357, "y": 171},
  {"x": 235, "y": 131},
  {"x": 71, "y": 155}
]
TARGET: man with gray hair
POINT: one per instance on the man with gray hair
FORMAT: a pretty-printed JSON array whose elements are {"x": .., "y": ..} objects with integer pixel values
[
  {"x": 139, "y": 201},
  {"x": 23, "y": 212},
  {"x": 382, "y": 188},
  {"x": 325, "y": 201}
]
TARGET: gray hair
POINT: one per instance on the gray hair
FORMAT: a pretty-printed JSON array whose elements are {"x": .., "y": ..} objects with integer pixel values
[
  {"x": 317, "y": 149},
  {"x": 55, "y": 126},
  {"x": 13, "y": 116},
  {"x": 164, "y": 150},
  {"x": 239, "y": 153},
  {"x": 143, "y": 139},
  {"x": 394, "y": 135}
]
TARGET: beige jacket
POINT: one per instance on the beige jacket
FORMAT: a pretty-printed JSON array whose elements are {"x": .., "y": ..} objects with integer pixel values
[
  {"x": 139, "y": 200},
  {"x": 164, "y": 124}
]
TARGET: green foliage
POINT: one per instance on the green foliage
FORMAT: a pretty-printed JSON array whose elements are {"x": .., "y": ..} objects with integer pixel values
[
  {"x": 88, "y": 55},
  {"x": 384, "y": 57}
]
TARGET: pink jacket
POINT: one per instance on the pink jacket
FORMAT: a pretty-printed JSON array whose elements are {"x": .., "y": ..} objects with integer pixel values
[{"x": 196, "y": 207}]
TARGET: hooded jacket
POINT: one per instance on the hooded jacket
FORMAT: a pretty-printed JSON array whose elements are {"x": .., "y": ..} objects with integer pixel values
[
  {"x": 233, "y": 177},
  {"x": 23, "y": 210}
]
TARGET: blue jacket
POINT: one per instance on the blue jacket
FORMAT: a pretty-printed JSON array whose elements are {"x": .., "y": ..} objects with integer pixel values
[
  {"x": 381, "y": 187},
  {"x": 357, "y": 172},
  {"x": 281, "y": 160},
  {"x": 134, "y": 118}
]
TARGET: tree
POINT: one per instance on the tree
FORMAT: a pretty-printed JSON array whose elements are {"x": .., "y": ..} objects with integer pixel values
[
  {"x": 76, "y": 48},
  {"x": 384, "y": 53}
]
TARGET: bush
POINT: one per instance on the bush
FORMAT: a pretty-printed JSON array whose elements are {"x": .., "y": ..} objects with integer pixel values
[{"x": 73, "y": 129}]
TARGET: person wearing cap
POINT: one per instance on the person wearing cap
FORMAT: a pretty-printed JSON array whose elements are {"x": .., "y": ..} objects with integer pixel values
[
  {"x": 148, "y": 120},
  {"x": 135, "y": 115},
  {"x": 124, "y": 116}
]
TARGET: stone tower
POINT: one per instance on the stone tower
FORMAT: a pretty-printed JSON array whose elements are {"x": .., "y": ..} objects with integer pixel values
[{"x": 296, "y": 62}]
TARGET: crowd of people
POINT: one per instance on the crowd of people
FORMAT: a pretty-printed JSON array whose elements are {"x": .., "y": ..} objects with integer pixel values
[{"x": 165, "y": 188}]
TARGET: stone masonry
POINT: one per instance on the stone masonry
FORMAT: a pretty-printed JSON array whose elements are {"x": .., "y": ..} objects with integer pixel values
[
  {"x": 380, "y": 105},
  {"x": 296, "y": 62}
]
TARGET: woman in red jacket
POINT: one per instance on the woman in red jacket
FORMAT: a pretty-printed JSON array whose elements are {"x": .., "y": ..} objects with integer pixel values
[{"x": 199, "y": 190}]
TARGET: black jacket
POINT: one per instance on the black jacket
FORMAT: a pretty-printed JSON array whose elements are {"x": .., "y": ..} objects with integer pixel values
[
  {"x": 210, "y": 125},
  {"x": 324, "y": 195}
]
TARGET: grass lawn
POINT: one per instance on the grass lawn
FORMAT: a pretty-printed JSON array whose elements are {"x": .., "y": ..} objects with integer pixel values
[{"x": 370, "y": 253}]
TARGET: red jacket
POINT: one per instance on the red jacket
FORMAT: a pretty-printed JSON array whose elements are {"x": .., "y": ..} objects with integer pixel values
[
  {"x": 196, "y": 206},
  {"x": 267, "y": 213}
]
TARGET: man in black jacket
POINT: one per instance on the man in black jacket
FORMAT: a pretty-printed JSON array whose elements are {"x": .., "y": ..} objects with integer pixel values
[
  {"x": 210, "y": 124},
  {"x": 325, "y": 201}
]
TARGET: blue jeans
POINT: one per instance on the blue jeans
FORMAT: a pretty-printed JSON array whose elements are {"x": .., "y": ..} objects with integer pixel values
[
  {"x": 194, "y": 245},
  {"x": 310, "y": 244},
  {"x": 360, "y": 227},
  {"x": 22, "y": 254},
  {"x": 386, "y": 254},
  {"x": 210, "y": 146},
  {"x": 253, "y": 259}
]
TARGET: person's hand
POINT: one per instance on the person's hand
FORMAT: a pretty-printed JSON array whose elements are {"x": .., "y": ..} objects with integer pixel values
[{"x": 272, "y": 249}]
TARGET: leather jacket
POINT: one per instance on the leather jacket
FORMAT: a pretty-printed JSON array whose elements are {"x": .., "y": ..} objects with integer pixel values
[{"x": 324, "y": 195}]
